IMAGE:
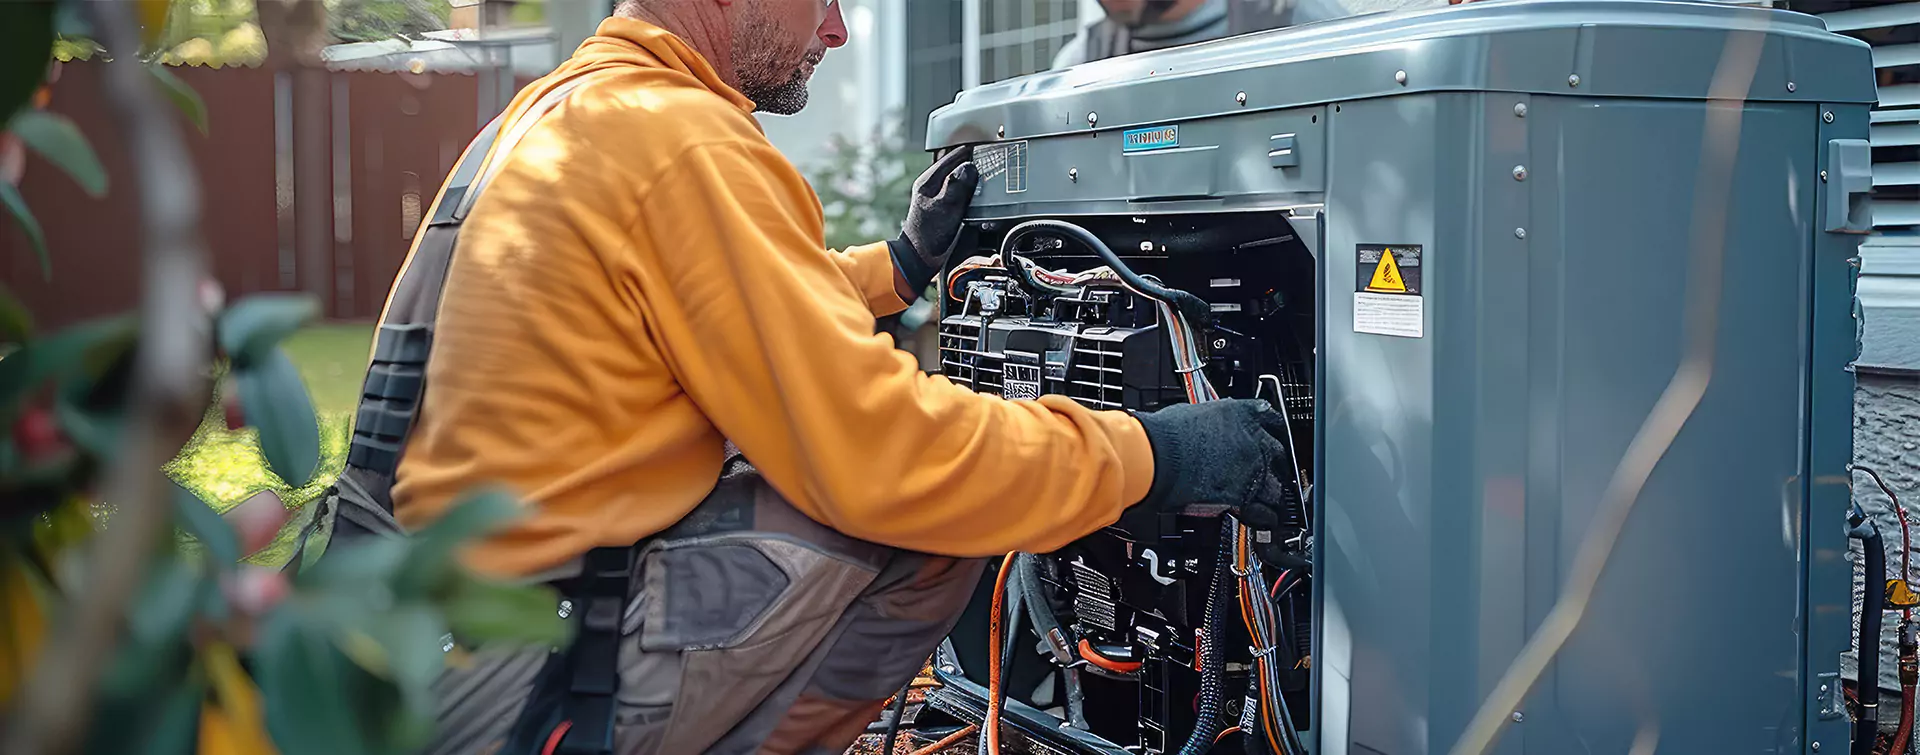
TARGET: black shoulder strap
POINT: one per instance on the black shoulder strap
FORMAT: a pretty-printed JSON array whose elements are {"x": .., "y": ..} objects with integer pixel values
[
  {"x": 396, "y": 379},
  {"x": 585, "y": 675}
]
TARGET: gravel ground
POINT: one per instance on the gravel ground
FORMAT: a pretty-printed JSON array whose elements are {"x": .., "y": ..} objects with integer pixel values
[{"x": 911, "y": 742}]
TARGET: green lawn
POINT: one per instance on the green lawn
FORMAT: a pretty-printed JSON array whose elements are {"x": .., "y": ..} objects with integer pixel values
[{"x": 225, "y": 467}]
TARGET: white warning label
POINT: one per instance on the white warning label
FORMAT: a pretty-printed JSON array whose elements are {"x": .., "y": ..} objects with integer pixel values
[
  {"x": 1386, "y": 294},
  {"x": 1389, "y": 315}
]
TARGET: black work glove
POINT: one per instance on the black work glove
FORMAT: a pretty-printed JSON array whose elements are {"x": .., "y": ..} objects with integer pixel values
[
  {"x": 1228, "y": 453},
  {"x": 933, "y": 227}
]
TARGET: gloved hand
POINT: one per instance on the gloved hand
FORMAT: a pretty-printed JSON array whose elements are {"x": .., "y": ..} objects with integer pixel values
[
  {"x": 1229, "y": 453},
  {"x": 933, "y": 229}
]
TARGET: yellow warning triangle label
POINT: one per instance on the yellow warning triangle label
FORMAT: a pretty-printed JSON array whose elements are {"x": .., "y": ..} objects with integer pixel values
[
  {"x": 1386, "y": 276},
  {"x": 1899, "y": 595}
]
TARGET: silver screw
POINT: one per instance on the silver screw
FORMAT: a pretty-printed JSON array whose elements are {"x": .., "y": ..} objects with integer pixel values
[
  {"x": 1400, "y": 76},
  {"x": 1574, "y": 80},
  {"x": 1240, "y": 98},
  {"x": 1219, "y": 343},
  {"x": 1519, "y": 172},
  {"x": 1816, "y": 747},
  {"x": 1003, "y": 131},
  {"x": 1073, "y": 174},
  {"x": 1823, "y": 176},
  {"x": 1827, "y": 116},
  {"x": 1519, "y": 233},
  {"x": 1520, "y": 109},
  {"x": 1791, "y": 87},
  {"x": 566, "y": 608},
  {"x": 1517, "y": 717},
  {"x": 1823, "y": 689},
  {"x": 1093, "y": 118}
]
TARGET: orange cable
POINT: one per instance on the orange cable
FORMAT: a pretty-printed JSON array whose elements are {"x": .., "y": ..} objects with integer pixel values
[
  {"x": 949, "y": 741},
  {"x": 1088, "y": 654},
  {"x": 993, "y": 656}
]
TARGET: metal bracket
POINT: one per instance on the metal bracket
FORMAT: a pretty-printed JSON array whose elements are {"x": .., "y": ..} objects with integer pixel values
[
  {"x": 1832, "y": 702},
  {"x": 1849, "y": 183}
]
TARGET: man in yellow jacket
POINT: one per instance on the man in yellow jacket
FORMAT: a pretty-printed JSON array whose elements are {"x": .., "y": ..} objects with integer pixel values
[{"x": 641, "y": 302}]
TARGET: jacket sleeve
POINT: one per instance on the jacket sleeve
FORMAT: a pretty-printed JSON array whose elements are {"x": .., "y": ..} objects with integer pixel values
[
  {"x": 870, "y": 268},
  {"x": 775, "y": 344}
]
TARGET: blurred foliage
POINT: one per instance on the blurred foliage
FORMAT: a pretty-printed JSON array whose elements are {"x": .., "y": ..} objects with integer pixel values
[
  {"x": 219, "y": 655},
  {"x": 865, "y": 184},
  {"x": 195, "y": 32},
  {"x": 375, "y": 20}
]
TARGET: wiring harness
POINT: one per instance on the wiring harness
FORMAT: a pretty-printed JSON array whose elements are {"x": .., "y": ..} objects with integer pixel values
[{"x": 1238, "y": 566}]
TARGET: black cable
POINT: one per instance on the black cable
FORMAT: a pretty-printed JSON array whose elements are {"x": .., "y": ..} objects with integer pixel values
[
  {"x": 1206, "y": 727},
  {"x": 1193, "y": 307},
  {"x": 893, "y": 726},
  {"x": 1867, "y": 727},
  {"x": 1021, "y": 269},
  {"x": 1045, "y": 624}
]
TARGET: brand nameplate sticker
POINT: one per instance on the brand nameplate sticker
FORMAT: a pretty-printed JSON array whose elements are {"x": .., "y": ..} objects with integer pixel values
[
  {"x": 1005, "y": 162},
  {"x": 1146, "y": 139},
  {"x": 1386, "y": 294}
]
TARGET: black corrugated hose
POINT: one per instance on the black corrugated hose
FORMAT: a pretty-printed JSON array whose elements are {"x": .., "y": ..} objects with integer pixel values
[
  {"x": 1867, "y": 727},
  {"x": 1207, "y": 726},
  {"x": 893, "y": 726}
]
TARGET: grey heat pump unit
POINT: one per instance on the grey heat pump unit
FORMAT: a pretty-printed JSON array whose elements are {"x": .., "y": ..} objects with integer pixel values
[{"x": 1468, "y": 249}]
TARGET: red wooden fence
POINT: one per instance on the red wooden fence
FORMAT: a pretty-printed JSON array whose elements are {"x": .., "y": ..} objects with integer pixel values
[{"x": 393, "y": 137}]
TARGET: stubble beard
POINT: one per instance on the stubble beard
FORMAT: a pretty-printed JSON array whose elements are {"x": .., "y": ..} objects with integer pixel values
[{"x": 760, "y": 68}]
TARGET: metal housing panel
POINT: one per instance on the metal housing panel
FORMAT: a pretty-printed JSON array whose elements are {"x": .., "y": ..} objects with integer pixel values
[
  {"x": 1826, "y": 586},
  {"x": 1449, "y": 458},
  {"x": 1592, "y": 48}
]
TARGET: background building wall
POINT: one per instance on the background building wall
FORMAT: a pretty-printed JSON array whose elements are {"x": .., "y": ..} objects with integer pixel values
[{"x": 857, "y": 90}]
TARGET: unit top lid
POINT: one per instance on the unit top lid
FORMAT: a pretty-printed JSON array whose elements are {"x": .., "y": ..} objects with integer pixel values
[{"x": 1585, "y": 48}]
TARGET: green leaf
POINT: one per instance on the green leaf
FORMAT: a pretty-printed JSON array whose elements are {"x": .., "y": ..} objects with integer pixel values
[
  {"x": 253, "y": 327},
  {"x": 276, "y": 401},
  {"x": 17, "y": 207},
  {"x": 176, "y": 725},
  {"x": 70, "y": 20},
  {"x": 206, "y": 526},
  {"x": 161, "y": 720},
  {"x": 16, "y": 323},
  {"x": 410, "y": 636},
  {"x": 433, "y": 558},
  {"x": 96, "y": 432},
  {"x": 26, "y": 47},
  {"x": 482, "y": 612},
  {"x": 162, "y": 610},
  {"x": 59, "y": 140},
  {"x": 66, "y": 353},
  {"x": 183, "y": 96},
  {"x": 357, "y": 564},
  {"x": 303, "y": 680}
]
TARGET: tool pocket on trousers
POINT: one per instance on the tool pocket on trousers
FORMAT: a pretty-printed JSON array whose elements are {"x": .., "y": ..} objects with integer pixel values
[
  {"x": 708, "y": 595},
  {"x": 725, "y": 620}
]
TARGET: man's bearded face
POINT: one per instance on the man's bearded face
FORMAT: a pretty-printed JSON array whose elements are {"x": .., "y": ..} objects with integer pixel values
[{"x": 776, "y": 45}]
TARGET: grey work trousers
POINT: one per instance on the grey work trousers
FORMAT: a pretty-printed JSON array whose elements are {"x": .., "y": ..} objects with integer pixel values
[{"x": 752, "y": 628}]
